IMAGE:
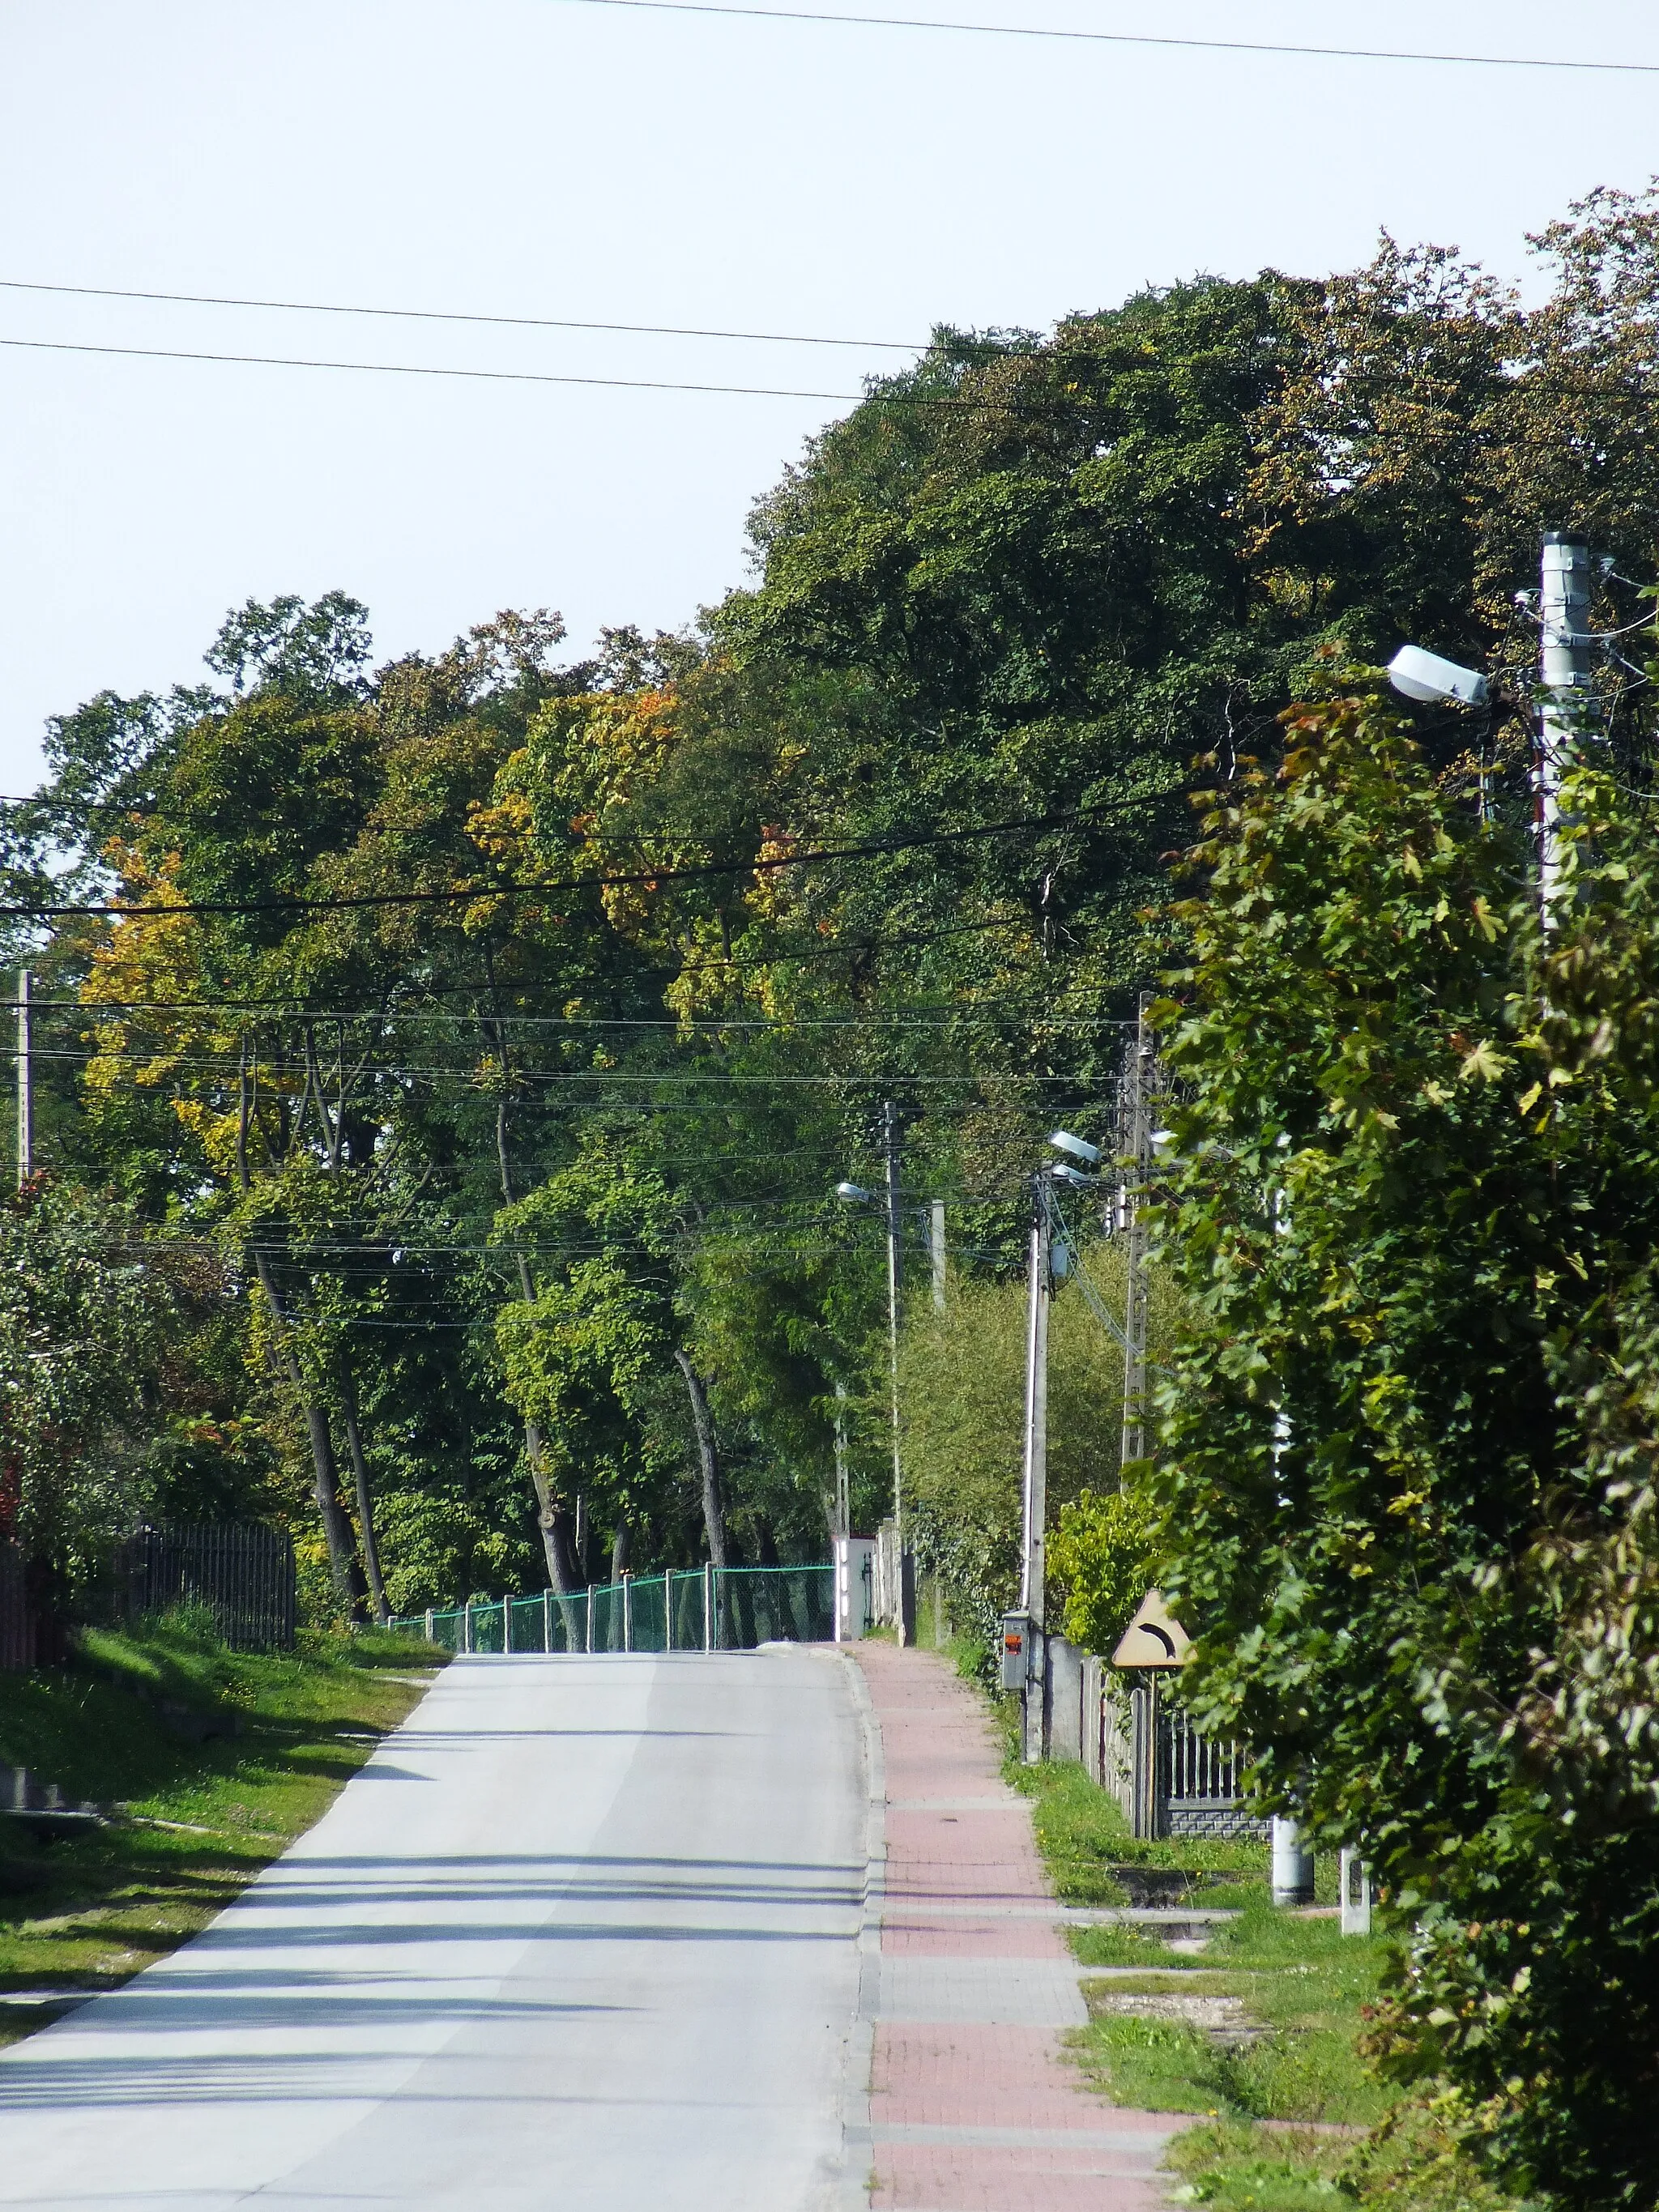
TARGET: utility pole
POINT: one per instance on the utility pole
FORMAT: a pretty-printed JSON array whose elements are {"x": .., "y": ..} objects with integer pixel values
[
  {"x": 1035, "y": 1487},
  {"x": 843, "y": 1489},
  {"x": 936, "y": 1250},
  {"x": 1137, "y": 1099},
  {"x": 1034, "y": 1517},
  {"x": 1565, "y": 673},
  {"x": 25, "y": 1076},
  {"x": 890, "y": 1134}
]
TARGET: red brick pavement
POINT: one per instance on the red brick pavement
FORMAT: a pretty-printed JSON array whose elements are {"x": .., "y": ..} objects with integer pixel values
[{"x": 978, "y": 2114}]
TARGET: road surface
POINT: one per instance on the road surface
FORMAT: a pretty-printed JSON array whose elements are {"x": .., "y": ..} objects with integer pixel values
[{"x": 582, "y": 1933}]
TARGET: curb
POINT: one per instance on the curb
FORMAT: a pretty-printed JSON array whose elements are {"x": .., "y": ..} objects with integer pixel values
[{"x": 852, "y": 2193}]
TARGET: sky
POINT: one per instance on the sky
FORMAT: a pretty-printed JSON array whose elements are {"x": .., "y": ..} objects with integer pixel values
[{"x": 603, "y": 163}]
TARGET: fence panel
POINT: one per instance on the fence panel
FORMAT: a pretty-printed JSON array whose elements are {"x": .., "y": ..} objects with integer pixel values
[
  {"x": 16, "y": 1629},
  {"x": 750, "y": 1606},
  {"x": 1200, "y": 1782},
  {"x": 241, "y": 1570},
  {"x": 686, "y": 1601}
]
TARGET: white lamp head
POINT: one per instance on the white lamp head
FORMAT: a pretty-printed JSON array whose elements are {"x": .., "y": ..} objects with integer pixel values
[
  {"x": 1426, "y": 676},
  {"x": 855, "y": 1193},
  {"x": 1079, "y": 1147}
]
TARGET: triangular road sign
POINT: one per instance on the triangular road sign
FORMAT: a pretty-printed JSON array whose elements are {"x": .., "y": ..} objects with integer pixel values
[{"x": 1153, "y": 1639}]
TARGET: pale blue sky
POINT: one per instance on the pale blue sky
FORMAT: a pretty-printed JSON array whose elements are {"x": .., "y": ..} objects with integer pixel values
[{"x": 538, "y": 157}]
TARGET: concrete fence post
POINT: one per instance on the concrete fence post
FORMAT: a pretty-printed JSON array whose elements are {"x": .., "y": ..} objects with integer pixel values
[
  {"x": 430, "y": 1637},
  {"x": 590, "y": 1616},
  {"x": 547, "y": 1620},
  {"x": 628, "y": 1610},
  {"x": 708, "y": 1607},
  {"x": 668, "y": 1608},
  {"x": 466, "y": 1625},
  {"x": 1354, "y": 1893}
]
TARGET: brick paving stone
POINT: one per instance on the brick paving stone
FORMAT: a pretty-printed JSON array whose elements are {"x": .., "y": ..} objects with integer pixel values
[{"x": 973, "y": 2107}]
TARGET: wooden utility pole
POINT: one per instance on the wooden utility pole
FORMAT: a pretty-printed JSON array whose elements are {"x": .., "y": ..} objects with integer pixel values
[{"x": 25, "y": 1076}]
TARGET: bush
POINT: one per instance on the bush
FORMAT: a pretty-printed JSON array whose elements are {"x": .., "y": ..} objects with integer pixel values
[{"x": 1104, "y": 1556}]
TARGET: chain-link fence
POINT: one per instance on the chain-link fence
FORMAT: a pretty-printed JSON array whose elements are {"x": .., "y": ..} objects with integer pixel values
[{"x": 692, "y": 1609}]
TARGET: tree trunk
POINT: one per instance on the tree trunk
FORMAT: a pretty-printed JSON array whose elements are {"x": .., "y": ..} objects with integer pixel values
[
  {"x": 552, "y": 1518},
  {"x": 552, "y": 1515},
  {"x": 370, "y": 1542},
  {"x": 714, "y": 1502},
  {"x": 620, "y": 1550},
  {"x": 336, "y": 1529}
]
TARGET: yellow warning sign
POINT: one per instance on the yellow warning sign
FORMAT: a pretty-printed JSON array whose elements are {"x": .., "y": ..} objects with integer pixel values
[{"x": 1153, "y": 1639}]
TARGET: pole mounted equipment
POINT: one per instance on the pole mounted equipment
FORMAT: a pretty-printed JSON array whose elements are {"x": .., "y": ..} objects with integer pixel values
[{"x": 1566, "y": 675}]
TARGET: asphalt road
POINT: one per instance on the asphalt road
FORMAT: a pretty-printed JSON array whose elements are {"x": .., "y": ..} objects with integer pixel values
[{"x": 582, "y": 1933}]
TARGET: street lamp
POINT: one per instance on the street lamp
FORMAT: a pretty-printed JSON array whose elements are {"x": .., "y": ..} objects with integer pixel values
[
  {"x": 1430, "y": 680},
  {"x": 1022, "y": 1630}
]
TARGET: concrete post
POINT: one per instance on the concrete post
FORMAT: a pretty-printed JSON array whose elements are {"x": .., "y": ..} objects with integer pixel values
[
  {"x": 628, "y": 1610},
  {"x": 1354, "y": 1892},
  {"x": 1293, "y": 1866},
  {"x": 547, "y": 1621},
  {"x": 708, "y": 1608}
]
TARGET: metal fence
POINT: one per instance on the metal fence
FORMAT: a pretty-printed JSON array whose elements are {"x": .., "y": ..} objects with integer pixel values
[
  {"x": 242, "y": 1571},
  {"x": 16, "y": 1628},
  {"x": 690, "y": 1609},
  {"x": 1200, "y": 1782}
]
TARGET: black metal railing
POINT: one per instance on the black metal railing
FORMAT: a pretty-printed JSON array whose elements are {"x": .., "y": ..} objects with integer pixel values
[{"x": 240, "y": 1572}]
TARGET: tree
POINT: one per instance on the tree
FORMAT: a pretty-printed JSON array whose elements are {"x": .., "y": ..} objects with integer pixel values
[
  {"x": 86, "y": 1308},
  {"x": 1404, "y": 1449}
]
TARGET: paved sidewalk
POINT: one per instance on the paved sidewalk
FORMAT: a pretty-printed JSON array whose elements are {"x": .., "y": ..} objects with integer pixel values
[{"x": 974, "y": 2107}]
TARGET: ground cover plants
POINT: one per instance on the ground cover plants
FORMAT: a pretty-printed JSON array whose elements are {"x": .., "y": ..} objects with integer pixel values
[{"x": 216, "y": 1759}]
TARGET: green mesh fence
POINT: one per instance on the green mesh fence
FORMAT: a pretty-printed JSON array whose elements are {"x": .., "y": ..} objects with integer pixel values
[{"x": 689, "y": 1609}]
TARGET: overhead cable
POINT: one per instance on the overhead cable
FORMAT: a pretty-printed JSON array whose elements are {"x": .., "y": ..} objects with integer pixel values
[
  {"x": 644, "y": 879},
  {"x": 1056, "y": 32}
]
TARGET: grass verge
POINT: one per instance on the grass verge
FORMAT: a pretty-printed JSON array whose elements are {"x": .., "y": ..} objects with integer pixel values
[
  {"x": 1083, "y": 1835},
  {"x": 1297, "y": 1987},
  {"x": 1255, "y": 2037},
  {"x": 217, "y": 1761}
]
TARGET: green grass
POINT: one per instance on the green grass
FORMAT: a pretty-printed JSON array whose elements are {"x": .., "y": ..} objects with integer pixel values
[
  {"x": 124, "y": 1725},
  {"x": 1083, "y": 1835},
  {"x": 1414, "y": 2166},
  {"x": 1300, "y": 1981},
  {"x": 1294, "y": 2121}
]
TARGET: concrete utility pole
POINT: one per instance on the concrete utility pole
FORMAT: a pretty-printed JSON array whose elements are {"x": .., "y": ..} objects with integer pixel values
[
  {"x": 1137, "y": 1130},
  {"x": 25, "y": 1076},
  {"x": 1566, "y": 675},
  {"x": 936, "y": 1250},
  {"x": 890, "y": 1135},
  {"x": 1035, "y": 1487},
  {"x": 843, "y": 1488},
  {"x": 1034, "y": 1517}
]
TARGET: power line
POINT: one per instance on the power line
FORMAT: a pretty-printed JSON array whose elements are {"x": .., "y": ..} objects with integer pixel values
[
  {"x": 1125, "y": 37},
  {"x": 451, "y": 315},
  {"x": 473, "y": 375},
  {"x": 772, "y": 1026},
  {"x": 647, "y": 878},
  {"x": 886, "y": 392}
]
